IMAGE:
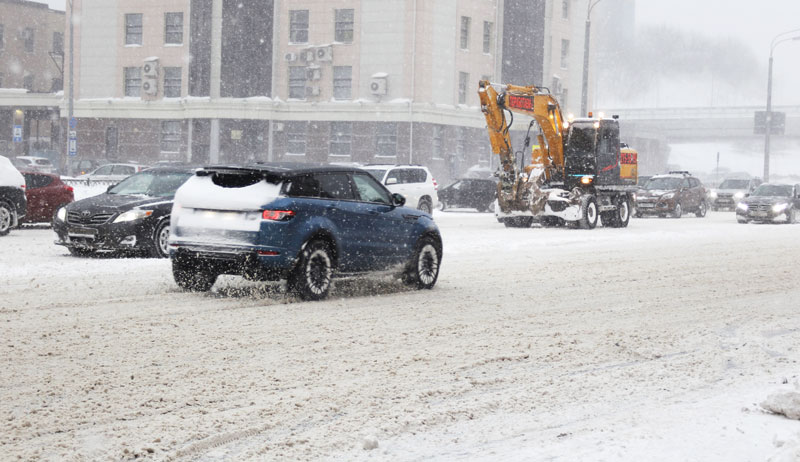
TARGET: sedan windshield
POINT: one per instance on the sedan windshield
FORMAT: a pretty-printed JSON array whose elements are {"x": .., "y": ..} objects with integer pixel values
[
  {"x": 773, "y": 190},
  {"x": 161, "y": 184},
  {"x": 734, "y": 184},
  {"x": 663, "y": 183}
]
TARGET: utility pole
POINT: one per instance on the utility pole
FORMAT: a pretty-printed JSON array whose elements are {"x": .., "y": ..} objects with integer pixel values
[
  {"x": 585, "y": 83},
  {"x": 71, "y": 90},
  {"x": 780, "y": 38}
]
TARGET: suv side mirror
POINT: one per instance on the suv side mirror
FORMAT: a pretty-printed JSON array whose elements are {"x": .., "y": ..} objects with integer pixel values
[
  {"x": 392, "y": 180},
  {"x": 398, "y": 200}
]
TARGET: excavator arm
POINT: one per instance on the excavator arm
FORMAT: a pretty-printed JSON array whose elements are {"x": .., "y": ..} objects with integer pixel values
[{"x": 520, "y": 190}]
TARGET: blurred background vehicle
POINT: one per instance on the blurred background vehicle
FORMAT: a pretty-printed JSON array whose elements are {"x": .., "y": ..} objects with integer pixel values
[
  {"x": 84, "y": 166},
  {"x": 414, "y": 182},
  {"x": 34, "y": 164},
  {"x": 45, "y": 193},
  {"x": 730, "y": 192},
  {"x": 112, "y": 172},
  {"x": 471, "y": 193},
  {"x": 671, "y": 194},
  {"x": 770, "y": 203},
  {"x": 13, "y": 205}
]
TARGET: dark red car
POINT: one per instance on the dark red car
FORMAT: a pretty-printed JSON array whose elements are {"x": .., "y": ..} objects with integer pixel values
[{"x": 45, "y": 193}]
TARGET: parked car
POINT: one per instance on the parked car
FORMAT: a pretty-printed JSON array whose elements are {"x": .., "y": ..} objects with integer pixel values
[
  {"x": 84, "y": 166},
  {"x": 770, "y": 203},
  {"x": 303, "y": 223},
  {"x": 671, "y": 194},
  {"x": 35, "y": 164},
  {"x": 13, "y": 205},
  {"x": 132, "y": 216},
  {"x": 730, "y": 192},
  {"x": 469, "y": 193},
  {"x": 112, "y": 172},
  {"x": 414, "y": 182},
  {"x": 45, "y": 194}
]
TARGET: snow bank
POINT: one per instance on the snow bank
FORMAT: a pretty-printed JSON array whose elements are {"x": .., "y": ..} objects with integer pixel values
[{"x": 784, "y": 403}]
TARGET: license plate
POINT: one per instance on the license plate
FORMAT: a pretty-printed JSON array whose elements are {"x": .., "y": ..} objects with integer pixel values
[
  {"x": 646, "y": 206},
  {"x": 759, "y": 214},
  {"x": 82, "y": 232}
]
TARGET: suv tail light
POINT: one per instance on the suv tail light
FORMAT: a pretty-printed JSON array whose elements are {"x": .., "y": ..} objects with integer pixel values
[
  {"x": 435, "y": 184},
  {"x": 277, "y": 215}
]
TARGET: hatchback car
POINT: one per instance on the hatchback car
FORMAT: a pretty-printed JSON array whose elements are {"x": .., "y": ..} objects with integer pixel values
[
  {"x": 671, "y": 194},
  {"x": 132, "y": 216},
  {"x": 112, "y": 172},
  {"x": 469, "y": 193},
  {"x": 303, "y": 223},
  {"x": 770, "y": 203},
  {"x": 45, "y": 194},
  {"x": 414, "y": 182}
]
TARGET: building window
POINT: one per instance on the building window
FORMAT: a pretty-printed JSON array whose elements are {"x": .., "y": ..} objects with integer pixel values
[
  {"x": 463, "y": 79},
  {"x": 386, "y": 140},
  {"x": 563, "y": 98},
  {"x": 465, "y": 32},
  {"x": 565, "y": 9},
  {"x": 133, "y": 29},
  {"x": 341, "y": 138},
  {"x": 58, "y": 43},
  {"x": 297, "y": 82},
  {"x": 344, "y": 26},
  {"x": 487, "y": 36},
  {"x": 2, "y": 39},
  {"x": 133, "y": 81},
  {"x": 298, "y": 26},
  {"x": 564, "y": 53},
  {"x": 27, "y": 37},
  {"x": 27, "y": 82},
  {"x": 173, "y": 28},
  {"x": 172, "y": 82},
  {"x": 296, "y": 138},
  {"x": 436, "y": 142},
  {"x": 1, "y": 80},
  {"x": 170, "y": 136},
  {"x": 342, "y": 82}
]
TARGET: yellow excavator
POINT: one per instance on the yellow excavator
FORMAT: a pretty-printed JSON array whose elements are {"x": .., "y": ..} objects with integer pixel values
[{"x": 579, "y": 171}]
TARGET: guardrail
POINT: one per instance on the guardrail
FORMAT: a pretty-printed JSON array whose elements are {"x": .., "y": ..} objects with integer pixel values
[{"x": 87, "y": 182}]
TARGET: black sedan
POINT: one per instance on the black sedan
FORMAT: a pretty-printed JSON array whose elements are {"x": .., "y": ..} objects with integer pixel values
[
  {"x": 132, "y": 216},
  {"x": 770, "y": 203},
  {"x": 471, "y": 193}
]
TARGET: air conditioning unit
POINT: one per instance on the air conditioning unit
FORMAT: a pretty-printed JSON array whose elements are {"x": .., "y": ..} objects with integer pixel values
[
  {"x": 378, "y": 86},
  {"x": 150, "y": 86},
  {"x": 325, "y": 53},
  {"x": 150, "y": 68},
  {"x": 290, "y": 57},
  {"x": 307, "y": 55},
  {"x": 313, "y": 73},
  {"x": 312, "y": 91}
]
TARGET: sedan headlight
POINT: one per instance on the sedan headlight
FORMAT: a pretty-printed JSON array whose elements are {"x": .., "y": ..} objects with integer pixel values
[
  {"x": 712, "y": 194},
  {"x": 778, "y": 208},
  {"x": 738, "y": 195},
  {"x": 131, "y": 215},
  {"x": 61, "y": 215},
  {"x": 741, "y": 206},
  {"x": 668, "y": 195}
]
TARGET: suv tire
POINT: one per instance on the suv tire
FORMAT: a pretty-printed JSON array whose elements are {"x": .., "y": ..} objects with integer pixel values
[
  {"x": 6, "y": 218},
  {"x": 193, "y": 276},
  {"x": 701, "y": 210},
  {"x": 311, "y": 278},
  {"x": 425, "y": 206},
  {"x": 678, "y": 211},
  {"x": 422, "y": 270}
]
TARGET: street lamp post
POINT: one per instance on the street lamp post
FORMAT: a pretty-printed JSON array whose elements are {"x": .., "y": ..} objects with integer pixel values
[
  {"x": 585, "y": 83},
  {"x": 780, "y": 38}
]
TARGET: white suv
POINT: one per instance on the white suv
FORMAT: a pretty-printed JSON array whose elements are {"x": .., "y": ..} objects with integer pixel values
[{"x": 414, "y": 182}]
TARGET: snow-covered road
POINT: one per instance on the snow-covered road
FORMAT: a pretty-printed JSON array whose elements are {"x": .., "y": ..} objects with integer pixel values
[{"x": 655, "y": 342}]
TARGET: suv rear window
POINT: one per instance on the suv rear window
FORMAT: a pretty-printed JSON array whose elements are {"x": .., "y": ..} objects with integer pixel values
[
  {"x": 322, "y": 185},
  {"x": 408, "y": 175}
]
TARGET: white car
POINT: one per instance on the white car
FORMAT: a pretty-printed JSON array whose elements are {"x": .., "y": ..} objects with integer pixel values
[
  {"x": 112, "y": 172},
  {"x": 35, "y": 164},
  {"x": 13, "y": 204},
  {"x": 414, "y": 182}
]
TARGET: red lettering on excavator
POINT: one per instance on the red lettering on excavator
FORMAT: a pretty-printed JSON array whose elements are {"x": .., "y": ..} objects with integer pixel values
[
  {"x": 520, "y": 102},
  {"x": 628, "y": 158}
]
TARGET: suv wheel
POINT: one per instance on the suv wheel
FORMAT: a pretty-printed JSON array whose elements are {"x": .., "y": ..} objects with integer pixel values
[
  {"x": 311, "y": 279},
  {"x": 6, "y": 218},
  {"x": 701, "y": 209},
  {"x": 193, "y": 276},
  {"x": 425, "y": 206},
  {"x": 423, "y": 269},
  {"x": 678, "y": 211},
  {"x": 160, "y": 245}
]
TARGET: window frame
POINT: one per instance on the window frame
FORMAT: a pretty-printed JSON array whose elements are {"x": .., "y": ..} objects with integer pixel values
[
  {"x": 343, "y": 175},
  {"x": 170, "y": 137},
  {"x": 133, "y": 30},
  {"x": 463, "y": 81},
  {"x": 466, "y": 22},
  {"x": 488, "y": 26},
  {"x": 564, "y": 54},
  {"x": 2, "y": 37},
  {"x": 565, "y": 9},
  {"x": 369, "y": 179},
  {"x": 170, "y": 81},
  {"x": 341, "y": 138},
  {"x": 343, "y": 25},
  {"x": 339, "y": 87},
  {"x": 29, "y": 40},
  {"x": 174, "y": 32},
  {"x": 300, "y": 77},
  {"x": 298, "y": 33},
  {"x": 300, "y": 136},
  {"x": 126, "y": 79},
  {"x": 386, "y": 135},
  {"x": 437, "y": 136}
]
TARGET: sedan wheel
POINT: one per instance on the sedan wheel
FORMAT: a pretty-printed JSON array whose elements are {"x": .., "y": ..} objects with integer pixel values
[
  {"x": 5, "y": 219},
  {"x": 161, "y": 240}
]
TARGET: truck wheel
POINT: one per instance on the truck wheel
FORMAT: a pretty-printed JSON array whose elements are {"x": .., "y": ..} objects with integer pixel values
[
  {"x": 6, "y": 218},
  {"x": 311, "y": 279},
  {"x": 622, "y": 216},
  {"x": 678, "y": 211},
  {"x": 192, "y": 276},
  {"x": 701, "y": 210},
  {"x": 589, "y": 213}
]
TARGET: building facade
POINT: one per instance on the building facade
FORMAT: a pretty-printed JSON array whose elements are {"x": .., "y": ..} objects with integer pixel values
[
  {"x": 31, "y": 63},
  {"x": 362, "y": 81}
]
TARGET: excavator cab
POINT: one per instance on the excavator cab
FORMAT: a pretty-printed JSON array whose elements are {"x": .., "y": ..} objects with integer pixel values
[{"x": 592, "y": 150}]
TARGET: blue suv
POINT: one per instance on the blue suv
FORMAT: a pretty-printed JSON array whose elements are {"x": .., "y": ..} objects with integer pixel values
[{"x": 299, "y": 222}]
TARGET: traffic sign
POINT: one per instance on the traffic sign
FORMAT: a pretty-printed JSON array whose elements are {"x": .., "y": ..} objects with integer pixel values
[
  {"x": 17, "y": 135},
  {"x": 73, "y": 143},
  {"x": 73, "y": 122}
]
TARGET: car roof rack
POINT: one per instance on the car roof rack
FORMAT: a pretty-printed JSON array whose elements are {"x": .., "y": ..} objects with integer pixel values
[{"x": 679, "y": 172}]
